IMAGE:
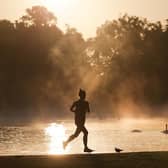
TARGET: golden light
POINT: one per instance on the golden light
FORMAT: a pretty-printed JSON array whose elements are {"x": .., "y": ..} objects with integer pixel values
[
  {"x": 60, "y": 6},
  {"x": 56, "y": 134}
]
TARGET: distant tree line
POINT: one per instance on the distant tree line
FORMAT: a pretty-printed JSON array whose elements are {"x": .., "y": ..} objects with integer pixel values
[
  {"x": 133, "y": 54},
  {"x": 42, "y": 67}
]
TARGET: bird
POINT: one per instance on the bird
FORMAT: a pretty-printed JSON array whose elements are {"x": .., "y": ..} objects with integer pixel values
[{"x": 118, "y": 150}]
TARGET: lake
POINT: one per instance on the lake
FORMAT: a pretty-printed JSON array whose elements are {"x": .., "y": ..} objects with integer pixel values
[{"x": 104, "y": 136}]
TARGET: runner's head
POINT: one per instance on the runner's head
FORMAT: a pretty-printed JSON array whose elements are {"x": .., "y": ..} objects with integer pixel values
[{"x": 82, "y": 94}]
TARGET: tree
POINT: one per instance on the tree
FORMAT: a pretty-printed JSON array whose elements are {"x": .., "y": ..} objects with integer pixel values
[
  {"x": 132, "y": 54},
  {"x": 39, "y": 16}
]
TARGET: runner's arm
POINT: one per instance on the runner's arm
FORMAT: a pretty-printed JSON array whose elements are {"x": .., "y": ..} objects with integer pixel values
[{"x": 72, "y": 108}]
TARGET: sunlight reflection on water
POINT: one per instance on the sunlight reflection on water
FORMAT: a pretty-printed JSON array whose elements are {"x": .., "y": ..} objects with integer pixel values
[
  {"x": 56, "y": 132},
  {"x": 103, "y": 136}
]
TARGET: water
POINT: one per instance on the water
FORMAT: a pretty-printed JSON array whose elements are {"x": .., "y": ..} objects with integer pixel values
[{"x": 103, "y": 136}]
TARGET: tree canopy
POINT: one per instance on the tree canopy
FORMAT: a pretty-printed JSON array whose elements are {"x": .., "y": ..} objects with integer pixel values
[
  {"x": 38, "y": 16},
  {"x": 124, "y": 66}
]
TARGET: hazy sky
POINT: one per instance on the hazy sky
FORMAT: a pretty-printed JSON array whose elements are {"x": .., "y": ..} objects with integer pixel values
[{"x": 86, "y": 15}]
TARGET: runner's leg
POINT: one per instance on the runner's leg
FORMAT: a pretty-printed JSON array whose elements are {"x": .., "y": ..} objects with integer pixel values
[
  {"x": 85, "y": 136},
  {"x": 73, "y": 136}
]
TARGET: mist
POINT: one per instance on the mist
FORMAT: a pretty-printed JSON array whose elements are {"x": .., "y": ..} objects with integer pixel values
[{"x": 123, "y": 69}]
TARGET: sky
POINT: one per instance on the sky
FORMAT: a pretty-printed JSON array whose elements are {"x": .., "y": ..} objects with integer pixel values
[{"x": 87, "y": 15}]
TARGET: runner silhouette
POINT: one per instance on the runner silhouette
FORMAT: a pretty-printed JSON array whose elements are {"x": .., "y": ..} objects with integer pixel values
[{"x": 80, "y": 108}]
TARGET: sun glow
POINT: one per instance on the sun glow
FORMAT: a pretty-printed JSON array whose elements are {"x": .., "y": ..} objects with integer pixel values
[
  {"x": 56, "y": 134},
  {"x": 60, "y": 6}
]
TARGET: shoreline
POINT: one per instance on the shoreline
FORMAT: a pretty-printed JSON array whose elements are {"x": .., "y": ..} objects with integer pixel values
[{"x": 94, "y": 160}]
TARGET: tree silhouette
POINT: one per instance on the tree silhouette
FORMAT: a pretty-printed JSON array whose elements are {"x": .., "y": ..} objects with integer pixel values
[
  {"x": 132, "y": 53},
  {"x": 39, "y": 16},
  {"x": 42, "y": 66}
]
